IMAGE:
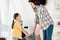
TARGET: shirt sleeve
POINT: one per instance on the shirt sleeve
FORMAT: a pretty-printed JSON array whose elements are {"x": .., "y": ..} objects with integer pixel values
[{"x": 40, "y": 12}]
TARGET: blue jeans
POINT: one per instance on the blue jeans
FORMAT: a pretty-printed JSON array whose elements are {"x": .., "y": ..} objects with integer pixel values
[
  {"x": 47, "y": 34},
  {"x": 15, "y": 38},
  {"x": 32, "y": 37}
]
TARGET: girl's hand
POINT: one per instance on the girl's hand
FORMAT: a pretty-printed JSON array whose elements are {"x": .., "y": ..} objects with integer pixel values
[
  {"x": 31, "y": 34},
  {"x": 27, "y": 35}
]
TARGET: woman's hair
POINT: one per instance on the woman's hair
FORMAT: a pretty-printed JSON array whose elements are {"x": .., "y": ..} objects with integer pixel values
[
  {"x": 38, "y": 2},
  {"x": 15, "y": 15}
]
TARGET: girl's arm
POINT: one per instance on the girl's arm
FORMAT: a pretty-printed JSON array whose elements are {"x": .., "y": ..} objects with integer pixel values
[
  {"x": 25, "y": 32},
  {"x": 20, "y": 28}
]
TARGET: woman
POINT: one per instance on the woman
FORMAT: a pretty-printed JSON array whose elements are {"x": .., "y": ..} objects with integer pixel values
[
  {"x": 17, "y": 29},
  {"x": 43, "y": 20}
]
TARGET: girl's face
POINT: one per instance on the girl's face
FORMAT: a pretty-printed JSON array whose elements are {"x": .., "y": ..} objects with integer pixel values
[
  {"x": 18, "y": 17},
  {"x": 32, "y": 4}
]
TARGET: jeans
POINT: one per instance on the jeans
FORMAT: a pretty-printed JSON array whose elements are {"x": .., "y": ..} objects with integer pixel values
[
  {"x": 47, "y": 34},
  {"x": 15, "y": 38},
  {"x": 32, "y": 37}
]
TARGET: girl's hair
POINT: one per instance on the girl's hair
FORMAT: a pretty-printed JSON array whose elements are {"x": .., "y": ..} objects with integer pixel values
[
  {"x": 38, "y": 2},
  {"x": 15, "y": 15}
]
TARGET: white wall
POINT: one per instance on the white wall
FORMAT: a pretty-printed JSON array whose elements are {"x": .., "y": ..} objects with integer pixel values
[
  {"x": 4, "y": 19},
  {"x": 4, "y": 11},
  {"x": 55, "y": 13}
]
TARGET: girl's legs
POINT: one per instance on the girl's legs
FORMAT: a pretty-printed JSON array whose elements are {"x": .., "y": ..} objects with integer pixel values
[{"x": 15, "y": 38}]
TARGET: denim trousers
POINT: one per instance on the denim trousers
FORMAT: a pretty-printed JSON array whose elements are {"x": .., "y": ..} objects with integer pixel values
[
  {"x": 47, "y": 34},
  {"x": 32, "y": 37},
  {"x": 15, "y": 38}
]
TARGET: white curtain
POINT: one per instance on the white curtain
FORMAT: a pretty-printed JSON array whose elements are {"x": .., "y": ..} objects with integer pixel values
[{"x": 4, "y": 11}]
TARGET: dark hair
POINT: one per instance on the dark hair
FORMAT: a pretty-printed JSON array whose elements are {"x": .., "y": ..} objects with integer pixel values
[
  {"x": 38, "y": 2},
  {"x": 15, "y": 15}
]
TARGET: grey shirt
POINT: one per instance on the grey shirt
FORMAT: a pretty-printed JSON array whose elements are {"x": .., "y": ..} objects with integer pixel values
[{"x": 41, "y": 14}]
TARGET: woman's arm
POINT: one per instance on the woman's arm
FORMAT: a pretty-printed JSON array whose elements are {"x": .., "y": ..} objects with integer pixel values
[
  {"x": 40, "y": 24},
  {"x": 34, "y": 27}
]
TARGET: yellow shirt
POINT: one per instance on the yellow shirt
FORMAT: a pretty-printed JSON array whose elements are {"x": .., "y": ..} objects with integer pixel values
[{"x": 17, "y": 30}]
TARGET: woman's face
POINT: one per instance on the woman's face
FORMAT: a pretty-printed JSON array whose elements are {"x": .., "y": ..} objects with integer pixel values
[
  {"x": 18, "y": 17},
  {"x": 32, "y": 4}
]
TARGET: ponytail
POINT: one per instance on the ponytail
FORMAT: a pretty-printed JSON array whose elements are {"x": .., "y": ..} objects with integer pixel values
[
  {"x": 15, "y": 15},
  {"x": 12, "y": 24}
]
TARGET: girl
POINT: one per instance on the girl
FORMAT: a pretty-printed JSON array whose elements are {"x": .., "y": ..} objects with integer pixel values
[{"x": 17, "y": 29}]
